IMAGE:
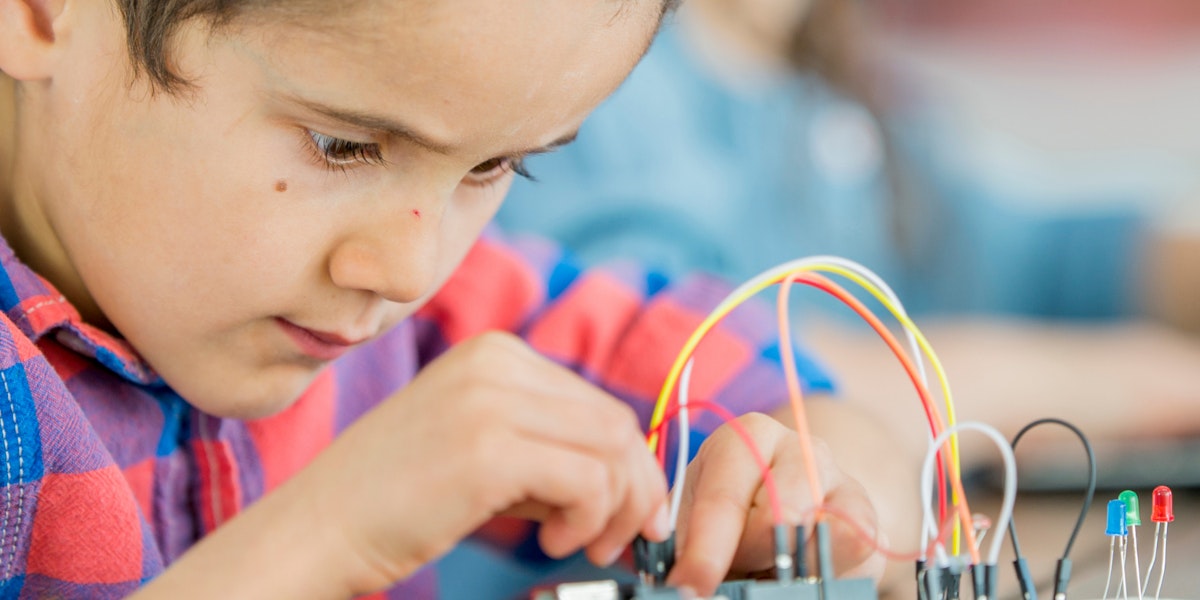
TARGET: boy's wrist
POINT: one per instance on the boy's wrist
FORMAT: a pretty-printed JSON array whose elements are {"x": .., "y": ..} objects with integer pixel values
[
  {"x": 280, "y": 547},
  {"x": 313, "y": 511}
]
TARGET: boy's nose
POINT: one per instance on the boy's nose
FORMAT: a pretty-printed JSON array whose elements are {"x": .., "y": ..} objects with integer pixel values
[{"x": 396, "y": 258}]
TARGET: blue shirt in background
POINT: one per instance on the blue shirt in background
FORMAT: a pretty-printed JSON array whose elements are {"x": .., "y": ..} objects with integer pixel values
[{"x": 683, "y": 172}]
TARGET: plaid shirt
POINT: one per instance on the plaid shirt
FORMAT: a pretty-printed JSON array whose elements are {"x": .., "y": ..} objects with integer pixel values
[{"x": 109, "y": 475}]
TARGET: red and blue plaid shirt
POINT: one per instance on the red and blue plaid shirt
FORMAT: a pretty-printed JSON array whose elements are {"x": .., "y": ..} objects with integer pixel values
[{"x": 109, "y": 475}]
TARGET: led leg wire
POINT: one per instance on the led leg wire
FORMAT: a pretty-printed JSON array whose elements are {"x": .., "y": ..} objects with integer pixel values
[
  {"x": 1153, "y": 556},
  {"x": 1124, "y": 554},
  {"x": 1137, "y": 568},
  {"x": 1112, "y": 552},
  {"x": 1162, "y": 569}
]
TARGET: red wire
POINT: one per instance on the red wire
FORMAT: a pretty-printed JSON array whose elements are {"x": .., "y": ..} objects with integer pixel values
[
  {"x": 763, "y": 467},
  {"x": 931, "y": 412},
  {"x": 872, "y": 540}
]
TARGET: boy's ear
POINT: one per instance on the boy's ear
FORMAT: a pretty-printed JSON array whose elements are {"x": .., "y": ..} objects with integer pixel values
[{"x": 28, "y": 36}]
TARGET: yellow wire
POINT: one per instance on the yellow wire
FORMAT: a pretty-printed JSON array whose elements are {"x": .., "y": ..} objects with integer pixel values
[{"x": 726, "y": 307}]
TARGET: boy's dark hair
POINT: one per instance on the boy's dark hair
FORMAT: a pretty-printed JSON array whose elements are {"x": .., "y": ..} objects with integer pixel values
[{"x": 149, "y": 25}]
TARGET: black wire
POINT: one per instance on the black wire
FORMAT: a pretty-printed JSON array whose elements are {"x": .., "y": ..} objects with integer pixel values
[{"x": 1091, "y": 486}]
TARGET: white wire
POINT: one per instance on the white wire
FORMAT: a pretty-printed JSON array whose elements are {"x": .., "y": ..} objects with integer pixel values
[
  {"x": 1163, "y": 568},
  {"x": 681, "y": 457},
  {"x": 849, "y": 265},
  {"x": 928, "y": 523}
]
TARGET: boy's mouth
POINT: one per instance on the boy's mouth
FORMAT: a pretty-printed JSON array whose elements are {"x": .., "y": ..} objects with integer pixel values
[{"x": 321, "y": 345}]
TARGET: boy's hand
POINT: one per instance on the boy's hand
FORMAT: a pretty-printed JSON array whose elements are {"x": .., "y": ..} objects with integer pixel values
[
  {"x": 489, "y": 428},
  {"x": 725, "y": 520}
]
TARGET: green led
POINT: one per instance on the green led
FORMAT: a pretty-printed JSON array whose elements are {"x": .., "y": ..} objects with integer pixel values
[{"x": 1132, "y": 512}]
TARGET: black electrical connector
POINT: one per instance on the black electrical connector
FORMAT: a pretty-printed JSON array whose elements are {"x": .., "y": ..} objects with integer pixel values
[
  {"x": 920, "y": 572},
  {"x": 801, "y": 559},
  {"x": 784, "y": 566},
  {"x": 1025, "y": 579},
  {"x": 931, "y": 583},
  {"x": 989, "y": 582},
  {"x": 824, "y": 559},
  {"x": 653, "y": 560},
  {"x": 979, "y": 581},
  {"x": 951, "y": 581},
  {"x": 1062, "y": 576}
]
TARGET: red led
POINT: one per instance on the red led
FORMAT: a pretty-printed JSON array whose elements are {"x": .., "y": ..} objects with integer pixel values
[{"x": 1163, "y": 510}]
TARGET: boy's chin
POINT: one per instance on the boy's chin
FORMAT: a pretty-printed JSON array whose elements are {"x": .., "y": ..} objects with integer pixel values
[{"x": 250, "y": 401}]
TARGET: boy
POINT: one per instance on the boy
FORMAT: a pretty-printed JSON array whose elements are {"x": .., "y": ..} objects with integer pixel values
[{"x": 209, "y": 202}]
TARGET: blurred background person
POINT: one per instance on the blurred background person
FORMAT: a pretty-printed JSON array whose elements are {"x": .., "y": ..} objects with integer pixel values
[{"x": 993, "y": 168}]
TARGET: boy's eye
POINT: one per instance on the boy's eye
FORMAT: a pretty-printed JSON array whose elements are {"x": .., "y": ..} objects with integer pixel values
[
  {"x": 339, "y": 153},
  {"x": 495, "y": 168}
]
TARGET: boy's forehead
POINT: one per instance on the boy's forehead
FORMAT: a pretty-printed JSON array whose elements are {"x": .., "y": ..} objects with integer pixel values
[{"x": 466, "y": 70}]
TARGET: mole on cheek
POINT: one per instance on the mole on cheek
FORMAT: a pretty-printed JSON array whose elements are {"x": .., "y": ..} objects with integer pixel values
[{"x": 281, "y": 185}]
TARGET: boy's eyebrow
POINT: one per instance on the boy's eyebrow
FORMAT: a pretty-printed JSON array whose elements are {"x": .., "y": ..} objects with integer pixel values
[
  {"x": 556, "y": 144},
  {"x": 400, "y": 131}
]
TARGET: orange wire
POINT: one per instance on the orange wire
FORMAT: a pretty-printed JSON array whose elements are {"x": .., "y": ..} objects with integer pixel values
[
  {"x": 797, "y": 399},
  {"x": 795, "y": 394},
  {"x": 763, "y": 467},
  {"x": 963, "y": 510}
]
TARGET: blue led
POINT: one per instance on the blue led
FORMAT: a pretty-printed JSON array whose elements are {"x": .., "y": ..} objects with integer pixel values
[{"x": 1116, "y": 518}]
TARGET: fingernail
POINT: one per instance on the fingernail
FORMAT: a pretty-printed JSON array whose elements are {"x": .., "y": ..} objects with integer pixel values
[
  {"x": 686, "y": 593},
  {"x": 662, "y": 522},
  {"x": 613, "y": 556}
]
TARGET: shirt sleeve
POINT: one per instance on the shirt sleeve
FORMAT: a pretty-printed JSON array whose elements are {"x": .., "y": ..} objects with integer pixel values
[
  {"x": 618, "y": 326},
  {"x": 70, "y": 525}
]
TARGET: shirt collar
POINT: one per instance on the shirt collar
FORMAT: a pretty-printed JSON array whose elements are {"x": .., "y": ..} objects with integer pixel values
[{"x": 38, "y": 310}]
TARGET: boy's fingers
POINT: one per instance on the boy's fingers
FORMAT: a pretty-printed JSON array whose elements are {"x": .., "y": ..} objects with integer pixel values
[
  {"x": 644, "y": 506},
  {"x": 527, "y": 510},
  {"x": 555, "y": 403},
  {"x": 723, "y": 488},
  {"x": 574, "y": 486},
  {"x": 714, "y": 527},
  {"x": 757, "y": 548}
]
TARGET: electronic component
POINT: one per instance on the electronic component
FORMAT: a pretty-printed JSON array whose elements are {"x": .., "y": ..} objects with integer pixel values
[
  {"x": 1115, "y": 530},
  {"x": 1133, "y": 518},
  {"x": 1162, "y": 513},
  {"x": 653, "y": 560},
  {"x": 1062, "y": 571},
  {"x": 943, "y": 557}
]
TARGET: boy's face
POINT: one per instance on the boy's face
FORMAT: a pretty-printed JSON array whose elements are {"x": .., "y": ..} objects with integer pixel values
[{"x": 317, "y": 186}]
